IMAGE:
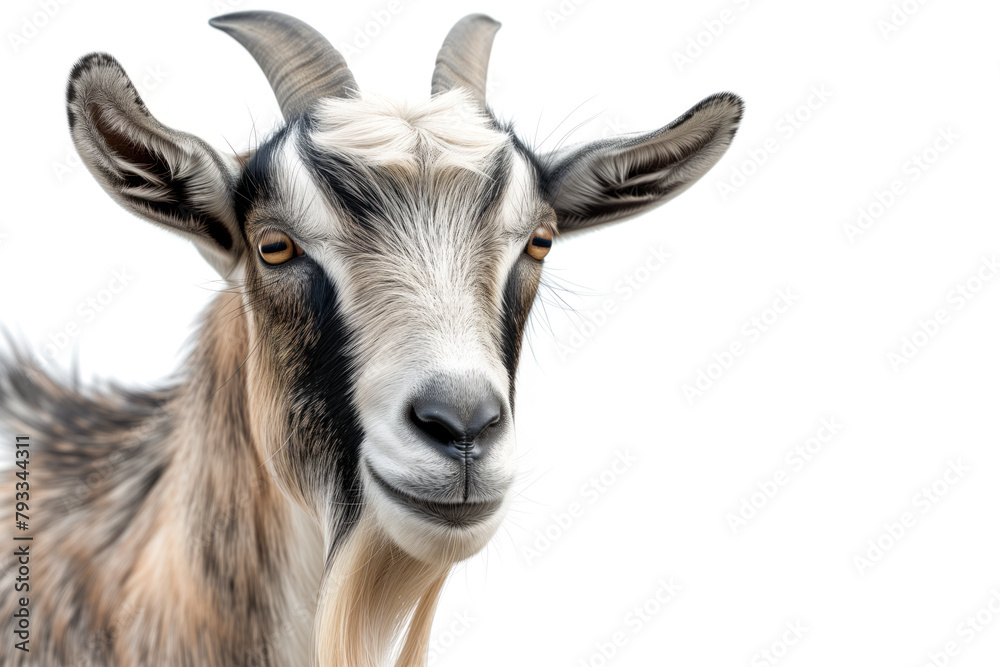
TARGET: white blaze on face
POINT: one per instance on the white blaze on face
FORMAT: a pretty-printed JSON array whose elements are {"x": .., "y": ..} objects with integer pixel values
[{"x": 422, "y": 292}]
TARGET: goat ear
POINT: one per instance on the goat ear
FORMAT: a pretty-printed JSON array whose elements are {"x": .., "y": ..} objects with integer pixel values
[
  {"x": 168, "y": 177},
  {"x": 617, "y": 178}
]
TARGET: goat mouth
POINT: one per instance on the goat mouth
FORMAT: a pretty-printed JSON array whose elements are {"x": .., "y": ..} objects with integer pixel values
[{"x": 451, "y": 515}]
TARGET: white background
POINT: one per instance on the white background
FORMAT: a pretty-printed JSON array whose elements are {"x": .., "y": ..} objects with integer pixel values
[{"x": 599, "y": 68}]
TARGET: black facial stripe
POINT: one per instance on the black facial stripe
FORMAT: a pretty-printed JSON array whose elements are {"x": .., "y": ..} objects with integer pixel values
[
  {"x": 518, "y": 296},
  {"x": 322, "y": 405},
  {"x": 345, "y": 182},
  {"x": 259, "y": 179},
  {"x": 351, "y": 187},
  {"x": 372, "y": 198},
  {"x": 302, "y": 312},
  {"x": 530, "y": 158},
  {"x": 498, "y": 173}
]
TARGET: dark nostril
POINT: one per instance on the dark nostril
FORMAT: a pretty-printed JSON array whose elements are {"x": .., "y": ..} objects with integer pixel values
[
  {"x": 455, "y": 427},
  {"x": 486, "y": 414},
  {"x": 437, "y": 421}
]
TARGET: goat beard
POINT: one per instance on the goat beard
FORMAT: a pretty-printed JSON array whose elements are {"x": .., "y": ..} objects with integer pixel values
[{"x": 376, "y": 599}]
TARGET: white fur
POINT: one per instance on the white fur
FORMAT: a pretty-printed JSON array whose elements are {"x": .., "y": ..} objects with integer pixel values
[
  {"x": 422, "y": 318},
  {"x": 381, "y": 131}
]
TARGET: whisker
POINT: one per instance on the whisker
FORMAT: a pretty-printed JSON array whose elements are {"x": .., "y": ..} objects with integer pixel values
[{"x": 577, "y": 108}]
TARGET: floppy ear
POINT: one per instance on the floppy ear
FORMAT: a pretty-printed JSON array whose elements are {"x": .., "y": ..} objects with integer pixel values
[
  {"x": 168, "y": 177},
  {"x": 617, "y": 178}
]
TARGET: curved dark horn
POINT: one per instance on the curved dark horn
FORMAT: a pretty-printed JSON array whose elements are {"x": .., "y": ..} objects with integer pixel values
[
  {"x": 465, "y": 55},
  {"x": 300, "y": 64}
]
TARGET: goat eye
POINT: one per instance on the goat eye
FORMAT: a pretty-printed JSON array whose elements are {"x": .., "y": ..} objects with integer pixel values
[
  {"x": 277, "y": 248},
  {"x": 540, "y": 243}
]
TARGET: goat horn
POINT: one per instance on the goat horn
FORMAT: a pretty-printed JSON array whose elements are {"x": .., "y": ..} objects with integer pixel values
[
  {"x": 300, "y": 64},
  {"x": 465, "y": 55}
]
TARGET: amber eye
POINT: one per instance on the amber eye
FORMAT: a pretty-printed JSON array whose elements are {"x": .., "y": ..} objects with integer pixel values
[
  {"x": 277, "y": 248},
  {"x": 540, "y": 243}
]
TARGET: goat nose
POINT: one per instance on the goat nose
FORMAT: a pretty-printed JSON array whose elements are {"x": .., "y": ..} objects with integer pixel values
[{"x": 454, "y": 421}]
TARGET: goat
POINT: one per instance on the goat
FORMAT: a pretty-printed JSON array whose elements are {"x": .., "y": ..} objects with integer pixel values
[{"x": 341, "y": 433}]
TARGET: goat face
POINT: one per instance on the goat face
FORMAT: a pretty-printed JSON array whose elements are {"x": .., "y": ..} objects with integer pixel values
[
  {"x": 403, "y": 291},
  {"x": 388, "y": 256}
]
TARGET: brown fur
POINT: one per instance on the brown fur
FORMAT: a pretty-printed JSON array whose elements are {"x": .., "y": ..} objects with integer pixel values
[{"x": 174, "y": 546}]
